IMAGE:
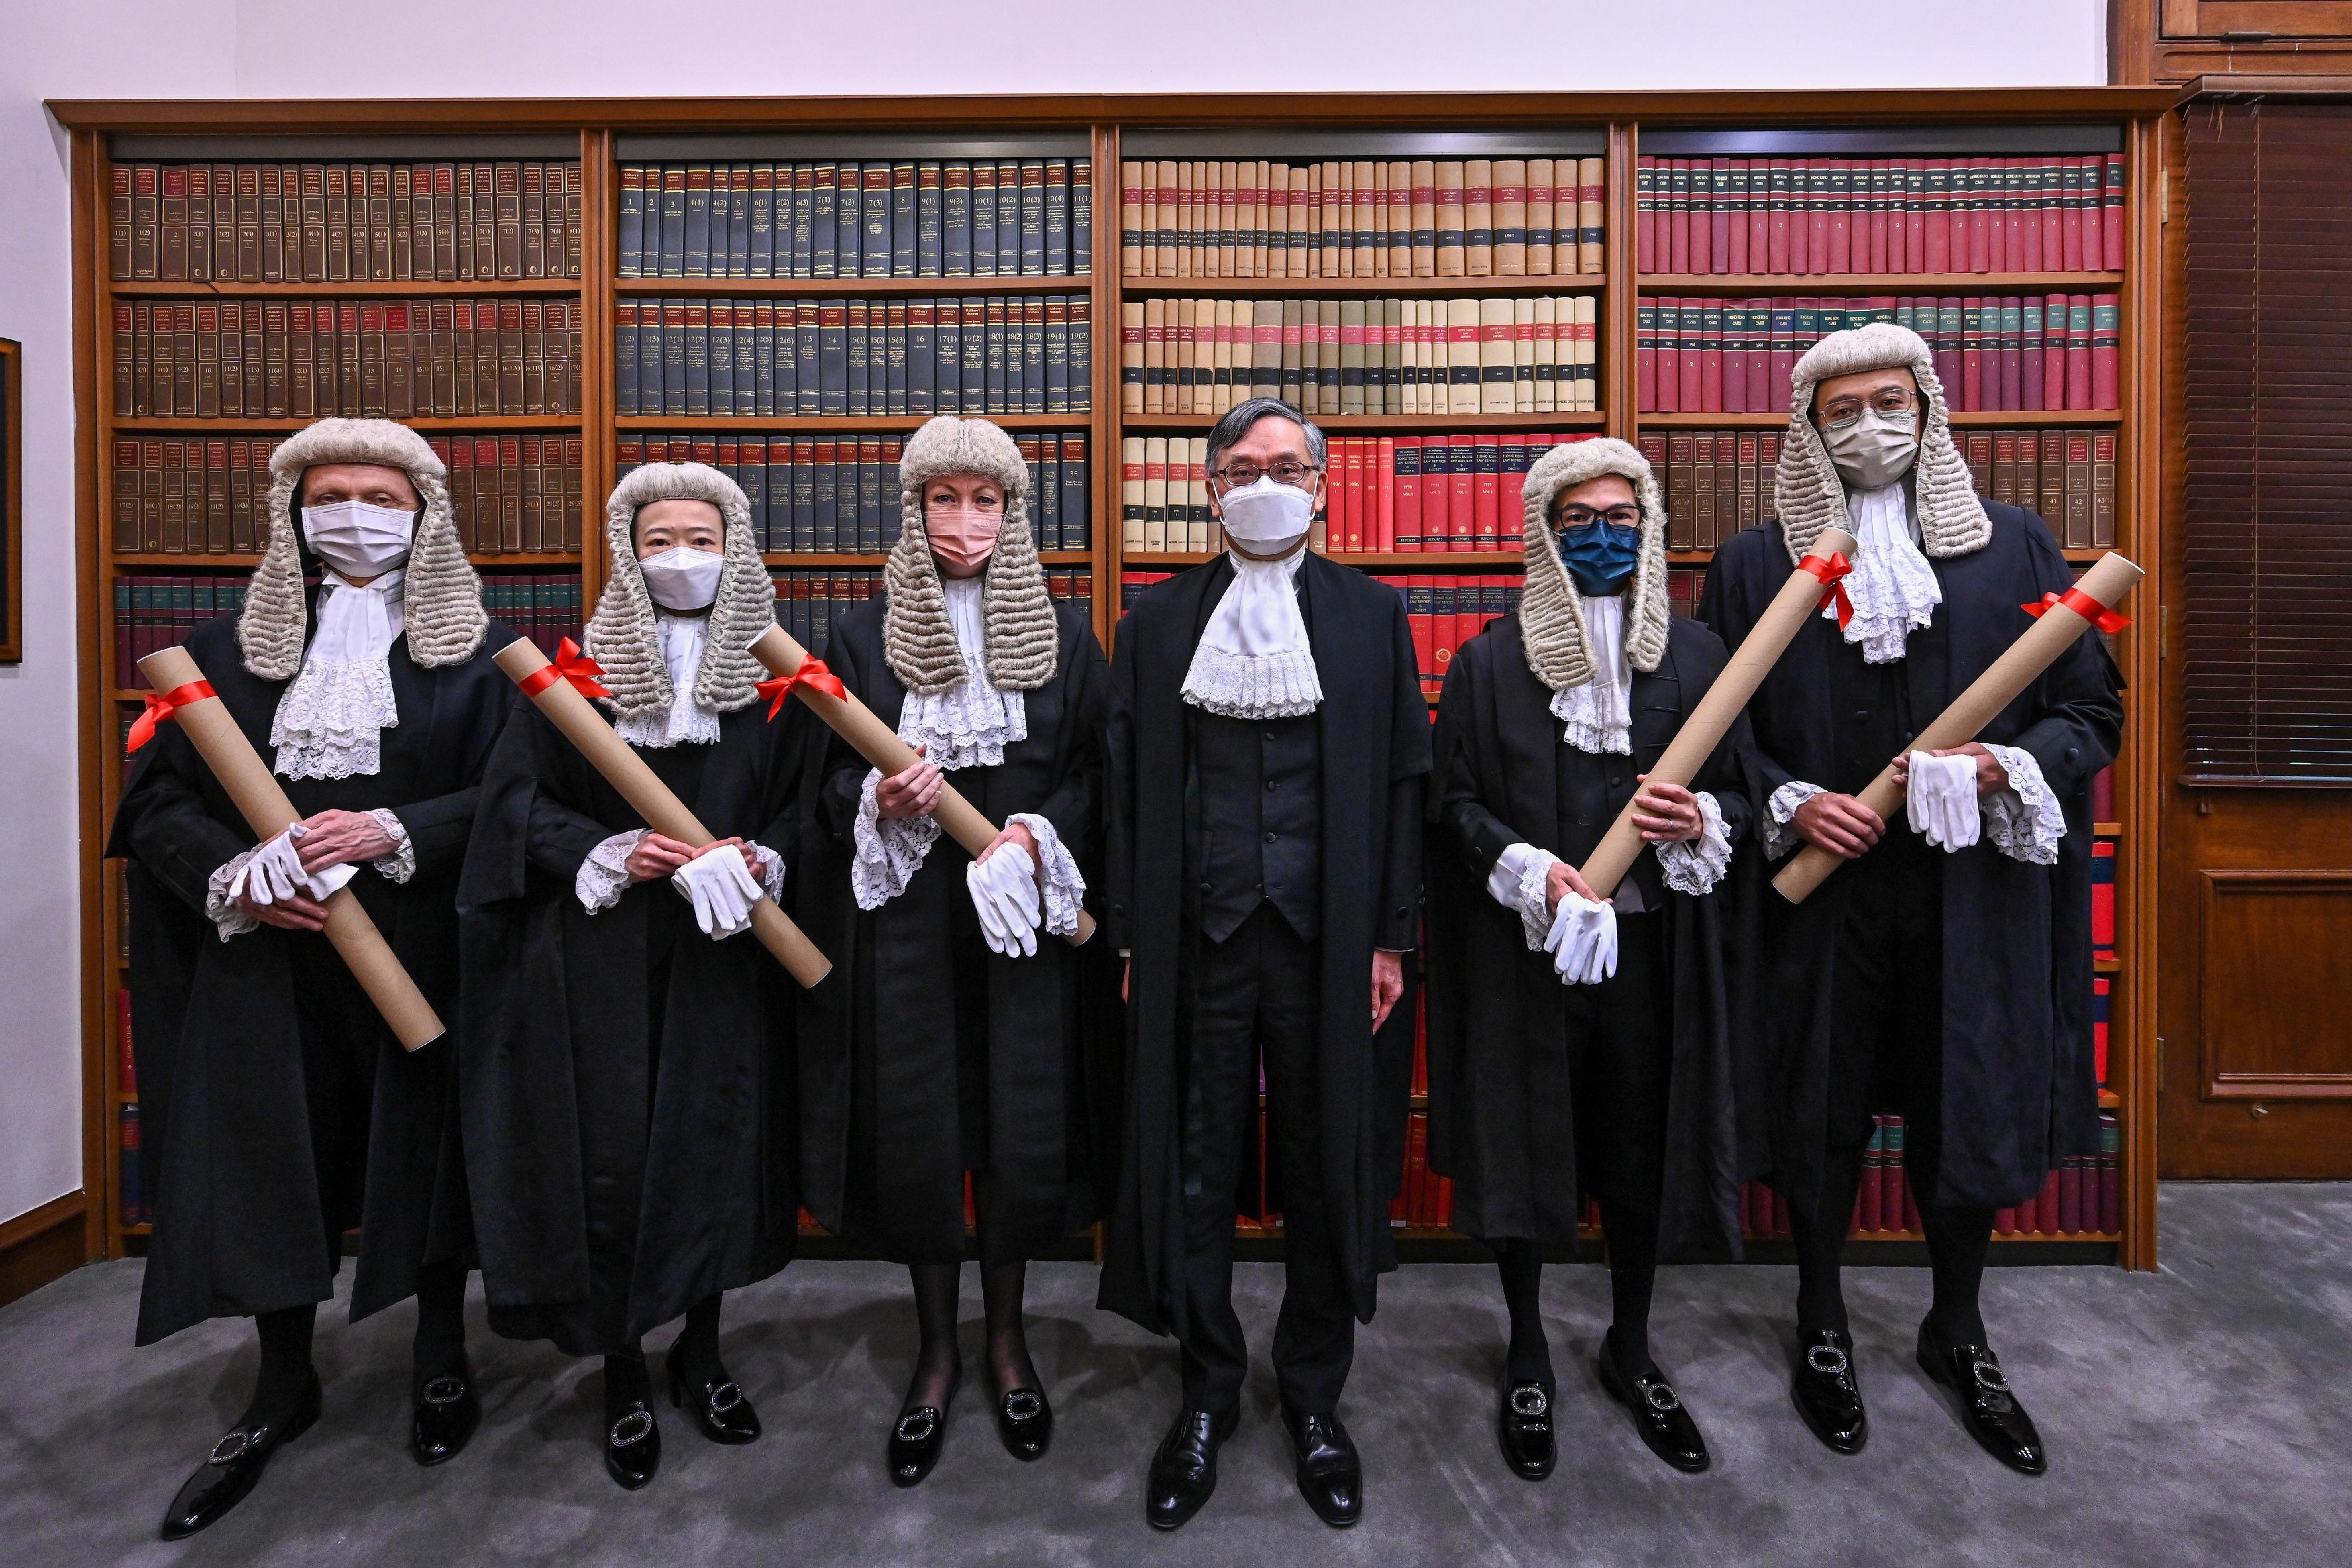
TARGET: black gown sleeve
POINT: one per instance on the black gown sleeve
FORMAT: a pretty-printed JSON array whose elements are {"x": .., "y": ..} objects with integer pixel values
[
  {"x": 1076, "y": 802},
  {"x": 1118, "y": 779},
  {"x": 1397, "y": 926},
  {"x": 162, "y": 822},
  {"x": 844, "y": 770},
  {"x": 1477, "y": 835},
  {"x": 2081, "y": 724},
  {"x": 438, "y": 828}
]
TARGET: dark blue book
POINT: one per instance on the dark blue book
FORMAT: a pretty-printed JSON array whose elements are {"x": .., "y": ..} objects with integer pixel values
[
  {"x": 673, "y": 356},
  {"x": 749, "y": 363},
  {"x": 671, "y": 262},
  {"x": 955, "y": 219},
  {"x": 930, "y": 256},
  {"x": 849, "y": 220},
  {"x": 1047, "y": 489},
  {"x": 762, "y": 260},
  {"x": 1057, "y": 172},
  {"x": 1009, "y": 240},
  {"x": 1074, "y": 494},
  {"x": 632, "y": 223},
  {"x": 875, "y": 240},
  {"x": 824, "y": 534},
  {"x": 1082, "y": 215},
  {"x": 869, "y": 493},
  {"x": 721, "y": 316},
  {"x": 695, "y": 360},
  {"x": 778, "y": 484},
  {"x": 625, "y": 356},
  {"x": 751, "y": 473},
  {"x": 802, "y": 220},
  {"x": 833, "y": 358},
  {"x": 1082, "y": 354},
  {"x": 893, "y": 448},
  {"x": 739, "y": 220},
  {"x": 697, "y": 221},
  {"x": 1055, "y": 349},
  {"x": 983, "y": 220},
  {"x": 804, "y": 493},
  {"x": 947, "y": 377},
  {"x": 904, "y": 240},
  {"x": 922, "y": 316},
  {"x": 999, "y": 344},
  {"x": 763, "y": 357},
  {"x": 726, "y": 459},
  {"x": 808, "y": 357},
  {"x": 1032, "y": 354},
  {"x": 820, "y": 611},
  {"x": 893, "y": 388},
  {"x": 824, "y": 220},
  {"x": 976, "y": 337},
  {"x": 857, "y": 346}
]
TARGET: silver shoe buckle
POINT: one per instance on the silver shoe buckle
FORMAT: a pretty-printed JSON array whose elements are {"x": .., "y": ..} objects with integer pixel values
[
  {"x": 1989, "y": 1377},
  {"x": 634, "y": 1427},
  {"x": 1529, "y": 1404},
  {"x": 1024, "y": 1405},
  {"x": 1661, "y": 1397},
  {"x": 916, "y": 1426},
  {"x": 1828, "y": 1360},
  {"x": 723, "y": 1397},
  {"x": 446, "y": 1389},
  {"x": 235, "y": 1444}
]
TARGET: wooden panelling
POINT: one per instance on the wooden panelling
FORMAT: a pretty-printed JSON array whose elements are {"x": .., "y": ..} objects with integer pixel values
[{"x": 2275, "y": 944}]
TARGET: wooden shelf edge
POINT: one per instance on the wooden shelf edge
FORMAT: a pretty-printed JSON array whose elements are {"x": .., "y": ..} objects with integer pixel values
[
  {"x": 245, "y": 560},
  {"x": 815, "y": 560},
  {"x": 837, "y": 424},
  {"x": 1361, "y": 287},
  {"x": 1402, "y": 424},
  {"x": 2106, "y": 830},
  {"x": 394, "y": 289},
  {"x": 1795, "y": 283},
  {"x": 1978, "y": 419},
  {"x": 199, "y": 425},
  {"x": 1056, "y": 283}
]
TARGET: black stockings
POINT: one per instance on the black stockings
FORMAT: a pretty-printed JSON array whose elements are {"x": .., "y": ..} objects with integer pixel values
[
  {"x": 1632, "y": 1272},
  {"x": 286, "y": 1374},
  {"x": 938, "y": 1364},
  {"x": 439, "y": 1347},
  {"x": 1957, "y": 1238}
]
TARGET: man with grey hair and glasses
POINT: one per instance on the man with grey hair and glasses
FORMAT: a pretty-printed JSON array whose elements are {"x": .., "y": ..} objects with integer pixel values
[{"x": 1268, "y": 741}]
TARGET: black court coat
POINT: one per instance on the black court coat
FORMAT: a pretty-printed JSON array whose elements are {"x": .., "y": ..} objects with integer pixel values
[
  {"x": 1373, "y": 724},
  {"x": 1501, "y": 1119},
  {"x": 897, "y": 1103},
  {"x": 2019, "y": 1093},
  {"x": 627, "y": 1082},
  {"x": 226, "y": 1147}
]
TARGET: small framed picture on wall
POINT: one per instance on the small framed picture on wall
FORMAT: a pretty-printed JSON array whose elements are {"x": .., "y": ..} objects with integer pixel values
[{"x": 12, "y": 502}]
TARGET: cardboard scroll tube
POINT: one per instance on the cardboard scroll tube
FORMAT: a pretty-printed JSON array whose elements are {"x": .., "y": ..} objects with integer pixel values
[
  {"x": 651, "y": 799},
  {"x": 214, "y": 733},
  {"x": 879, "y": 745},
  {"x": 2110, "y": 582},
  {"x": 1704, "y": 730}
]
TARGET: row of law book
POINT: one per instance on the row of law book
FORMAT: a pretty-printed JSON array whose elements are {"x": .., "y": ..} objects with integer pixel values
[
  {"x": 1758, "y": 216},
  {"x": 807, "y": 602},
  {"x": 391, "y": 358},
  {"x": 1424, "y": 1200},
  {"x": 345, "y": 222},
  {"x": 840, "y": 493},
  {"x": 2083, "y": 1196},
  {"x": 514, "y": 494},
  {"x": 907, "y": 217},
  {"x": 1445, "y": 610},
  {"x": 833, "y": 358},
  {"x": 1479, "y": 217},
  {"x": 2014, "y": 353},
  {"x": 1532, "y": 355}
]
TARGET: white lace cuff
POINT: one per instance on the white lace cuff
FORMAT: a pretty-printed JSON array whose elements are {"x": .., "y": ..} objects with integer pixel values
[
  {"x": 604, "y": 876},
  {"x": 888, "y": 851},
  {"x": 220, "y": 908},
  {"x": 1066, "y": 890},
  {"x": 1781, "y": 810},
  {"x": 1521, "y": 882},
  {"x": 771, "y": 879},
  {"x": 2025, "y": 820},
  {"x": 1695, "y": 865},
  {"x": 401, "y": 864}
]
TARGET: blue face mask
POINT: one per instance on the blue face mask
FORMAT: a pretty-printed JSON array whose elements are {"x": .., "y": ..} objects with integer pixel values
[{"x": 1598, "y": 556}]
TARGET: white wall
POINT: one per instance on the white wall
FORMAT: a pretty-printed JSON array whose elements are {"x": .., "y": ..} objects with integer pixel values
[{"x": 298, "y": 48}]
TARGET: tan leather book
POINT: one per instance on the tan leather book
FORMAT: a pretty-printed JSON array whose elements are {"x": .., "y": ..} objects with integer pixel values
[
  {"x": 1523, "y": 356},
  {"x": 1130, "y": 356},
  {"x": 1130, "y": 219},
  {"x": 1155, "y": 494},
  {"x": 1547, "y": 355},
  {"x": 1372, "y": 257},
  {"x": 1495, "y": 368},
  {"x": 1539, "y": 217},
  {"x": 1422, "y": 193},
  {"x": 1510, "y": 217},
  {"x": 1130, "y": 493},
  {"x": 1479, "y": 217},
  {"x": 1588, "y": 197},
  {"x": 1166, "y": 204},
  {"x": 1449, "y": 241},
  {"x": 1155, "y": 355}
]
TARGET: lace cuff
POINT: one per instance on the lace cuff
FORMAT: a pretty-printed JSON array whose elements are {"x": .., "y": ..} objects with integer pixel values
[
  {"x": 2025, "y": 820},
  {"x": 1065, "y": 889},
  {"x": 1781, "y": 809},
  {"x": 772, "y": 880},
  {"x": 888, "y": 851},
  {"x": 220, "y": 908},
  {"x": 401, "y": 864},
  {"x": 604, "y": 876},
  {"x": 1695, "y": 865},
  {"x": 1521, "y": 882}
]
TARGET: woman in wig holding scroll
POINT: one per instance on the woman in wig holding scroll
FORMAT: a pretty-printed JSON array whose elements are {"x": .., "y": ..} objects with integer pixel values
[
  {"x": 1578, "y": 1048},
  {"x": 627, "y": 1087},
  {"x": 279, "y": 1111},
  {"x": 957, "y": 1043},
  {"x": 1945, "y": 973}
]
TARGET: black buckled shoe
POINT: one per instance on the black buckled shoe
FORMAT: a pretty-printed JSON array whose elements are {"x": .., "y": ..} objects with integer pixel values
[
  {"x": 721, "y": 1411},
  {"x": 1658, "y": 1414},
  {"x": 633, "y": 1447},
  {"x": 1184, "y": 1469},
  {"x": 233, "y": 1467},
  {"x": 444, "y": 1419},
  {"x": 1330, "y": 1475},
  {"x": 1988, "y": 1408},
  {"x": 915, "y": 1444},
  {"x": 1825, "y": 1390},
  {"x": 1024, "y": 1423},
  {"x": 1524, "y": 1427}
]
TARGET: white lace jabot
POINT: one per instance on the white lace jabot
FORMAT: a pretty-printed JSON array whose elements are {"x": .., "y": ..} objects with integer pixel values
[
  {"x": 331, "y": 720},
  {"x": 682, "y": 638},
  {"x": 1255, "y": 660},
  {"x": 1599, "y": 713},
  {"x": 1893, "y": 589},
  {"x": 971, "y": 723}
]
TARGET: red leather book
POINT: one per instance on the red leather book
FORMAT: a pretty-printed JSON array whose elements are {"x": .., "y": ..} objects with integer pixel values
[
  {"x": 2111, "y": 1174},
  {"x": 1645, "y": 355},
  {"x": 1677, "y": 194},
  {"x": 1462, "y": 492},
  {"x": 1778, "y": 186},
  {"x": 1719, "y": 216},
  {"x": 1690, "y": 350},
  {"x": 1756, "y": 205},
  {"x": 2053, "y": 353},
  {"x": 1837, "y": 175},
  {"x": 1442, "y": 642},
  {"x": 1731, "y": 186},
  {"x": 2107, "y": 325},
  {"x": 2045, "y": 1206},
  {"x": 1645, "y": 212},
  {"x": 2048, "y": 183},
  {"x": 1813, "y": 201},
  {"x": 1710, "y": 356},
  {"x": 2029, "y": 1216},
  {"x": 1515, "y": 455},
  {"x": 2102, "y": 795},
  {"x": 1407, "y": 534},
  {"x": 126, "y": 1061},
  {"x": 2020, "y": 229},
  {"x": 2012, "y": 354},
  {"x": 2069, "y": 1196},
  {"x": 1379, "y": 527},
  {"x": 1485, "y": 494},
  {"x": 2103, "y": 898},
  {"x": 2030, "y": 344},
  {"x": 2070, "y": 213},
  {"x": 1971, "y": 389},
  {"x": 2004, "y": 1222},
  {"x": 1436, "y": 493},
  {"x": 1418, "y": 590},
  {"x": 1936, "y": 246},
  {"x": 2095, "y": 258},
  {"x": 1911, "y": 201},
  {"x": 1873, "y": 1155},
  {"x": 2078, "y": 351},
  {"x": 1349, "y": 535},
  {"x": 2111, "y": 214}
]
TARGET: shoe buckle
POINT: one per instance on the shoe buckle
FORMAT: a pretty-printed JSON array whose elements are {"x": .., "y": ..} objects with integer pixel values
[
  {"x": 632, "y": 1427},
  {"x": 723, "y": 1397},
  {"x": 1024, "y": 1405},
  {"x": 1660, "y": 1398},
  {"x": 235, "y": 1444},
  {"x": 1529, "y": 1402},
  {"x": 916, "y": 1426},
  {"x": 1828, "y": 1360},
  {"x": 1989, "y": 1377},
  {"x": 445, "y": 1389}
]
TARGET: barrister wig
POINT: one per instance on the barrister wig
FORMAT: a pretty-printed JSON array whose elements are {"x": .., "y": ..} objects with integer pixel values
[
  {"x": 441, "y": 599},
  {"x": 1551, "y": 615},
  {"x": 622, "y": 635},
  {"x": 1807, "y": 489},
  {"x": 1021, "y": 645}
]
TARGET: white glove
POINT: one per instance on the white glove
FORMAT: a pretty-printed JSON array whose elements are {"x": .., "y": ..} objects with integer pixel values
[
  {"x": 1583, "y": 941},
  {"x": 1941, "y": 798},
  {"x": 1004, "y": 891},
  {"x": 721, "y": 887},
  {"x": 274, "y": 872}
]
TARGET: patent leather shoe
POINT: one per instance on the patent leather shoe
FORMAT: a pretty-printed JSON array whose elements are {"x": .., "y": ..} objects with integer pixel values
[
  {"x": 1658, "y": 1414},
  {"x": 1025, "y": 1424},
  {"x": 1524, "y": 1427},
  {"x": 443, "y": 1418},
  {"x": 915, "y": 1444},
  {"x": 1330, "y": 1476},
  {"x": 1184, "y": 1469},
  {"x": 234, "y": 1466},
  {"x": 721, "y": 1411},
  {"x": 1826, "y": 1392},
  {"x": 633, "y": 1447},
  {"x": 1988, "y": 1408}
]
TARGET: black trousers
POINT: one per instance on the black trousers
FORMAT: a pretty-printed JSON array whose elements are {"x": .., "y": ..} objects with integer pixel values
[
  {"x": 1256, "y": 1000},
  {"x": 1886, "y": 1046},
  {"x": 1620, "y": 1063},
  {"x": 339, "y": 1067}
]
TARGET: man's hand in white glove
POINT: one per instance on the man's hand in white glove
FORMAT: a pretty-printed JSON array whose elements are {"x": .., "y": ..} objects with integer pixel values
[
  {"x": 1940, "y": 792},
  {"x": 1583, "y": 941},
  {"x": 1003, "y": 887},
  {"x": 720, "y": 886},
  {"x": 273, "y": 888}
]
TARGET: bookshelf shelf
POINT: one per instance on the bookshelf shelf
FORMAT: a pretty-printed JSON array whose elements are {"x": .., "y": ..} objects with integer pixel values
[
  {"x": 1877, "y": 282},
  {"x": 1982, "y": 419},
  {"x": 875, "y": 559},
  {"x": 1359, "y": 288},
  {"x": 207, "y": 425},
  {"x": 832, "y": 287},
  {"x": 229, "y": 561},
  {"x": 1402, "y": 424},
  {"x": 396, "y": 289},
  {"x": 2104, "y": 830},
  {"x": 835, "y": 423}
]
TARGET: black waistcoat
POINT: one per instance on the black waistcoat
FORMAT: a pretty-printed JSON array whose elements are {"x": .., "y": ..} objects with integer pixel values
[
  {"x": 1258, "y": 783},
  {"x": 1593, "y": 789}
]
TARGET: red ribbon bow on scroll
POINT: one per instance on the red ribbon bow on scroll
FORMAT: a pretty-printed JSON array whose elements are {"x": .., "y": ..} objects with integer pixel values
[
  {"x": 812, "y": 673},
  {"x": 2083, "y": 605},
  {"x": 1832, "y": 571},
  {"x": 158, "y": 709},
  {"x": 570, "y": 665}
]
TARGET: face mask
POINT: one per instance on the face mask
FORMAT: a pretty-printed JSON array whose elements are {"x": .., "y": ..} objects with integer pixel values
[
  {"x": 358, "y": 539},
  {"x": 1598, "y": 556},
  {"x": 1876, "y": 450},
  {"x": 684, "y": 579},
  {"x": 962, "y": 538},
  {"x": 1266, "y": 515}
]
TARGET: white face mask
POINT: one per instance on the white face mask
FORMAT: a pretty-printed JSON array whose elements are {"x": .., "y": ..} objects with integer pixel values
[
  {"x": 683, "y": 578},
  {"x": 358, "y": 539},
  {"x": 1266, "y": 515},
  {"x": 1876, "y": 450}
]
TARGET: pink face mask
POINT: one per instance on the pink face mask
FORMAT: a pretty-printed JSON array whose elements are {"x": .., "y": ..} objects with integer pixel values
[{"x": 961, "y": 539}]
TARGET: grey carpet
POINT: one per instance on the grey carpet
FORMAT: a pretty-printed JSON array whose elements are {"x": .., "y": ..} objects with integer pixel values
[{"x": 2194, "y": 1414}]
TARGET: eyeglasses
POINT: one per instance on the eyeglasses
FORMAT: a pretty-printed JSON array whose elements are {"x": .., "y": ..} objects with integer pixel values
[
  {"x": 1627, "y": 517},
  {"x": 1893, "y": 401},
  {"x": 1241, "y": 472}
]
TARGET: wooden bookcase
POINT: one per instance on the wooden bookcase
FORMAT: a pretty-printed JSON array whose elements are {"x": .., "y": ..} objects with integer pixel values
[{"x": 600, "y": 132}]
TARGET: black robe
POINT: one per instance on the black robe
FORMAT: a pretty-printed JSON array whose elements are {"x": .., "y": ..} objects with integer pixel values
[
  {"x": 627, "y": 1085},
  {"x": 2018, "y": 1087},
  {"x": 228, "y": 1149},
  {"x": 898, "y": 1101},
  {"x": 1374, "y": 732},
  {"x": 1501, "y": 1119}
]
